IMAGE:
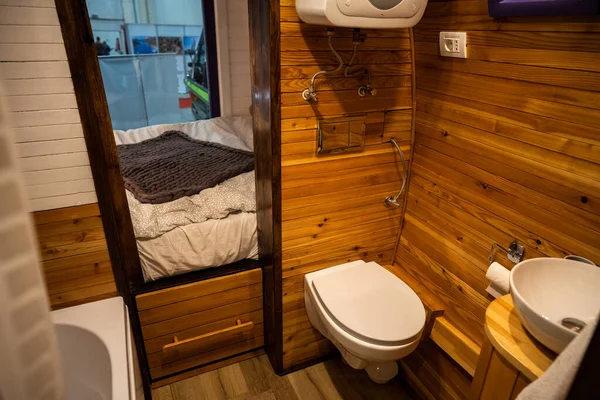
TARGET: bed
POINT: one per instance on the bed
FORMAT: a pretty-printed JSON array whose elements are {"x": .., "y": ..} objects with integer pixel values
[{"x": 213, "y": 228}]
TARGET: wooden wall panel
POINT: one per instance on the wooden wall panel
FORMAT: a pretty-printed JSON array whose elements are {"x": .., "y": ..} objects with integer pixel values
[
  {"x": 332, "y": 206},
  {"x": 507, "y": 147},
  {"x": 74, "y": 255}
]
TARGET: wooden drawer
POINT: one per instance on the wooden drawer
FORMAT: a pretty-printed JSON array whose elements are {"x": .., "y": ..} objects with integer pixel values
[{"x": 190, "y": 325}]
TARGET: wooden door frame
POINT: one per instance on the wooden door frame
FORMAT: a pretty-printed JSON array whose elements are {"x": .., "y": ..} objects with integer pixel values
[
  {"x": 263, "y": 16},
  {"x": 108, "y": 181}
]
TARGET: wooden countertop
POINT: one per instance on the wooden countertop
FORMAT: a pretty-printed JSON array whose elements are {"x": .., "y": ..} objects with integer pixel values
[{"x": 509, "y": 338}]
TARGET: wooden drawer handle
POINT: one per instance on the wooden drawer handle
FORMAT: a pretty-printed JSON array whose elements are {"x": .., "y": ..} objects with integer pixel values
[{"x": 237, "y": 328}]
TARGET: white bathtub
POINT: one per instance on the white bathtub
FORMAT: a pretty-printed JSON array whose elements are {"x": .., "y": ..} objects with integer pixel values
[{"x": 96, "y": 351}]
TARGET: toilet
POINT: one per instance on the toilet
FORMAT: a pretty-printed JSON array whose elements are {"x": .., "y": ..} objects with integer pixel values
[{"x": 369, "y": 314}]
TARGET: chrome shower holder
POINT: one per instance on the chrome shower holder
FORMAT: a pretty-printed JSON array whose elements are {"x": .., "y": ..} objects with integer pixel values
[{"x": 392, "y": 201}]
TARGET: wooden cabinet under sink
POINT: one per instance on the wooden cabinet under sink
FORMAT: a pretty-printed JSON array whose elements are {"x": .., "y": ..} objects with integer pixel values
[
  {"x": 495, "y": 377},
  {"x": 510, "y": 358}
]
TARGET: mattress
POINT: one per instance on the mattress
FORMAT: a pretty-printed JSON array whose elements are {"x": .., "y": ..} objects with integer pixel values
[{"x": 202, "y": 245}]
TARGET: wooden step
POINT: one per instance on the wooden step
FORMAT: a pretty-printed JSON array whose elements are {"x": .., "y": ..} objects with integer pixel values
[
  {"x": 433, "y": 375},
  {"x": 438, "y": 328},
  {"x": 456, "y": 344}
]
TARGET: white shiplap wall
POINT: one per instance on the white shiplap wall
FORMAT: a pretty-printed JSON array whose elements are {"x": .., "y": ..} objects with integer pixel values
[
  {"x": 239, "y": 56},
  {"x": 43, "y": 110},
  {"x": 233, "y": 39}
]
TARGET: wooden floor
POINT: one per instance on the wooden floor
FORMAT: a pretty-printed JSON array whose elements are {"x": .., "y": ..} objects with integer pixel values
[{"x": 254, "y": 379}]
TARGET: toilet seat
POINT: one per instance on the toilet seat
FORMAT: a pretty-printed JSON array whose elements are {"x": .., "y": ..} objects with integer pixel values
[{"x": 370, "y": 303}]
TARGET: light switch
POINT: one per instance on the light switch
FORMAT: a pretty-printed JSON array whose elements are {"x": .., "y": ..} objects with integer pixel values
[{"x": 453, "y": 44}]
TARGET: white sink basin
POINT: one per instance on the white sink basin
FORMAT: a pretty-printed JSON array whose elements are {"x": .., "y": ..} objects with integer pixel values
[{"x": 545, "y": 291}]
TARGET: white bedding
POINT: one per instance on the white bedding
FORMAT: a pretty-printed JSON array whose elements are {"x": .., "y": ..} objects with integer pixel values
[
  {"x": 153, "y": 220},
  {"x": 234, "y": 132},
  {"x": 198, "y": 246},
  {"x": 198, "y": 231}
]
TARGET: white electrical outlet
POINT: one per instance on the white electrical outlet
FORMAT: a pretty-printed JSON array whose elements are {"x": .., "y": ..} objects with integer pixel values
[{"x": 453, "y": 44}]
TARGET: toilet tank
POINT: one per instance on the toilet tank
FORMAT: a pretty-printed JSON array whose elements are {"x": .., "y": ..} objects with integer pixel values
[{"x": 384, "y": 14}]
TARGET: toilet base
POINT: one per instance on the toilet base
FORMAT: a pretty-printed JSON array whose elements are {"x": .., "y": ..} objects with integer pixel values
[
  {"x": 382, "y": 372},
  {"x": 379, "y": 372}
]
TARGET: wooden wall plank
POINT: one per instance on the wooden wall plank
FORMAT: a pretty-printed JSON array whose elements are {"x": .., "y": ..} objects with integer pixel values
[
  {"x": 45, "y": 133},
  {"x": 518, "y": 24},
  {"x": 65, "y": 200},
  {"x": 54, "y": 161},
  {"x": 32, "y": 52},
  {"x": 556, "y": 59},
  {"x": 290, "y": 44},
  {"x": 50, "y": 147},
  {"x": 75, "y": 260},
  {"x": 578, "y": 115},
  {"x": 567, "y": 41},
  {"x": 66, "y": 214},
  {"x": 304, "y": 30},
  {"x": 26, "y": 70},
  {"x": 28, "y": 3},
  {"x": 11, "y": 15},
  {"x": 340, "y": 83},
  {"x": 60, "y": 188},
  {"x": 42, "y": 102},
  {"x": 375, "y": 58},
  {"x": 25, "y": 86},
  {"x": 43, "y": 118},
  {"x": 552, "y": 94},
  {"x": 549, "y": 76},
  {"x": 307, "y": 71},
  {"x": 30, "y": 34},
  {"x": 332, "y": 206}
]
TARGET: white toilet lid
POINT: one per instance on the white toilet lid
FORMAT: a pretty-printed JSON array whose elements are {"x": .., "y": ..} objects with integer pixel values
[{"x": 371, "y": 302}]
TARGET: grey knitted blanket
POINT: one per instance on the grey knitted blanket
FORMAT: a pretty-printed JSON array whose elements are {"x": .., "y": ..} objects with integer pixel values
[{"x": 174, "y": 165}]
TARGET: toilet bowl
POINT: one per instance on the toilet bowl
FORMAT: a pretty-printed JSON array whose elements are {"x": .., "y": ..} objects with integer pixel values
[{"x": 370, "y": 315}]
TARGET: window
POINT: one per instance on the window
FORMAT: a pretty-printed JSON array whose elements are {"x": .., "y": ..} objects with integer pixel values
[{"x": 154, "y": 56}]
